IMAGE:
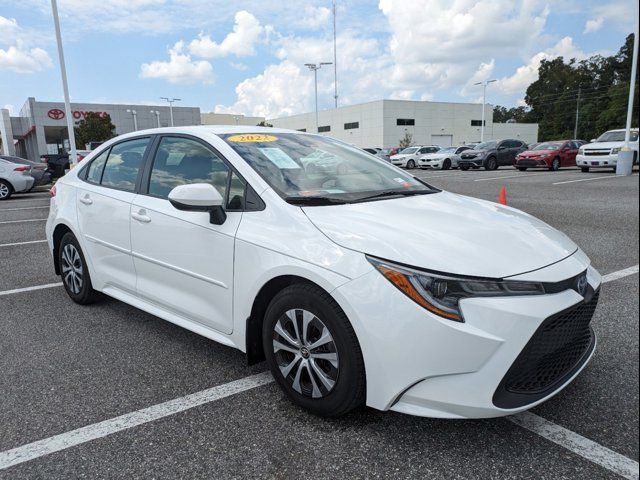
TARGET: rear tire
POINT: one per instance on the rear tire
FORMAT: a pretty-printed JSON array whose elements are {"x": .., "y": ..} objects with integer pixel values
[
  {"x": 491, "y": 164},
  {"x": 328, "y": 379},
  {"x": 6, "y": 190},
  {"x": 584, "y": 169},
  {"x": 446, "y": 165},
  {"x": 74, "y": 271}
]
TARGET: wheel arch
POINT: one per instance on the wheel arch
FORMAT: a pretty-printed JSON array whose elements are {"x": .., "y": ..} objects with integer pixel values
[
  {"x": 58, "y": 232},
  {"x": 253, "y": 331}
]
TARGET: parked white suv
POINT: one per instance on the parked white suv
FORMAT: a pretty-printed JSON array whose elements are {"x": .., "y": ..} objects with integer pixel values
[
  {"x": 334, "y": 272},
  {"x": 603, "y": 152},
  {"x": 408, "y": 158}
]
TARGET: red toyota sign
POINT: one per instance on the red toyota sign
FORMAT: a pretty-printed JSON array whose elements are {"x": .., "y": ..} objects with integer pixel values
[{"x": 56, "y": 114}]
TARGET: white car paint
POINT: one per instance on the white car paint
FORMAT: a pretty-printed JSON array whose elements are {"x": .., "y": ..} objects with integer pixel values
[
  {"x": 437, "y": 160},
  {"x": 16, "y": 178},
  {"x": 403, "y": 159},
  {"x": 604, "y": 154},
  {"x": 204, "y": 277}
]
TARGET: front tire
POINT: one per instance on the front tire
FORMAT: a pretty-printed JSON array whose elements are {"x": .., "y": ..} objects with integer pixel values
[
  {"x": 522, "y": 169},
  {"x": 411, "y": 164},
  {"x": 491, "y": 164},
  {"x": 464, "y": 167},
  {"x": 74, "y": 271},
  {"x": 446, "y": 165},
  {"x": 555, "y": 165},
  {"x": 313, "y": 352},
  {"x": 584, "y": 169},
  {"x": 6, "y": 190}
]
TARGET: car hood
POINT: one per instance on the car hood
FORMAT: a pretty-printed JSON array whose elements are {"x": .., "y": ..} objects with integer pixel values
[
  {"x": 602, "y": 145},
  {"x": 437, "y": 156},
  {"x": 474, "y": 152},
  {"x": 445, "y": 232},
  {"x": 401, "y": 155}
]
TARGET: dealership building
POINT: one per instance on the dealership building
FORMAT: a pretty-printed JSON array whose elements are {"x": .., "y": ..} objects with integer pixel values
[
  {"x": 41, "y": 127},
  {"x": 383, "y": 123}
]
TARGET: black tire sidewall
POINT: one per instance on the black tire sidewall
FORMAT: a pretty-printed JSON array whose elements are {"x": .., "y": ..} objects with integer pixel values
[
  {"x": 87, "y": 293},
  {"x": 446, "y": 165},
  {"x": 411, "y": 164},
  {"x": 491, "y": 164},
  {"x": 464, "y": 167},
  {"x": 344, "y": 395}
]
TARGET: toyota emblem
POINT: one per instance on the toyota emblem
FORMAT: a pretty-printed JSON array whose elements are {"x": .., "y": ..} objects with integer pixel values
[
  {"x": 56, "y": 114},
  {"x": 582, "y": 284}
]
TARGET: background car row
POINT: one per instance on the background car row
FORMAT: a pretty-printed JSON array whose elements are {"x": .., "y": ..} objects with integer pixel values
[{"x": 18, "y": 175}]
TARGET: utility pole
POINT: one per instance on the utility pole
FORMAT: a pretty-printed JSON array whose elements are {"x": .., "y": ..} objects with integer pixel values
[
  {"x": 63, "y": 71},
  {"x": 575, "y": 129},
  {"x": 135, "y": 119},
  {"x": 170, "y": 101},
  {"x": 314, "y": 67},
  {"x": 157, "y": 114},
  {"x": 335, "y": 58},
  {"x": 484, "y": 101},
  {"x": 624, "y": 165}
]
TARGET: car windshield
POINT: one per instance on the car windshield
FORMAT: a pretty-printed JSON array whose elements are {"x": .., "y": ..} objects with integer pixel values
[
  {"x": 409, "y": 150},
  {"x": 448, "y": 149},
  {"x": 316, "y": 170},
  {"x": 548, "y": 146},
  {"x": 486, "y": 145},
  {"x": 617, "y": 137}
]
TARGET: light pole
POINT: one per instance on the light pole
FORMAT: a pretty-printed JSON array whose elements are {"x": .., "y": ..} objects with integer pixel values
[
  {"x": 157, "y": 114},
  {"x": 170, "y": 102},
  {"x": 65, "y": 87},
  {"x": 314, "y": 67},
  {"x": 624, "y": 165},
  {"x": 484, "y": 101},
  {"x": 335, "y": 58},
  {"x": 135, "y": 119}
]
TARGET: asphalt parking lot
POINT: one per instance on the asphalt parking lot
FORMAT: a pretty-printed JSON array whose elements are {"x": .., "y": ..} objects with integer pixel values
[{"x": 65, "y": 367}]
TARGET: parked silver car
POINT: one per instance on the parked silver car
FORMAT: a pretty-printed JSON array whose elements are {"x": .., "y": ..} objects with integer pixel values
[
  {"x": 14, "y": 178},
  {"x": 38, "y": 169}
]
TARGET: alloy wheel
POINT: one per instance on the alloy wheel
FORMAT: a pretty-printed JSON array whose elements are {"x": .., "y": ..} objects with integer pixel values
[
  {"x": 4, "y": 190},
  {"x": 72, "y": 269},
  {"x": 306, "y": 353}
]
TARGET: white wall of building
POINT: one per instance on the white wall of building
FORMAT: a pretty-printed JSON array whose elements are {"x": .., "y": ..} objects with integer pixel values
[
  {"x": 211, "y": 118},
  {"x": 439, "y": 123}
]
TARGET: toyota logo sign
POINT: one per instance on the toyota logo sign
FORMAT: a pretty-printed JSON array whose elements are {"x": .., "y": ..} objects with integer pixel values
[{"x": 56, "y": 114}]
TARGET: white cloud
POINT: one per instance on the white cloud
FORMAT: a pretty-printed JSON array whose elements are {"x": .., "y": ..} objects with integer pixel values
[
  {"x": 240, "y": 42},
  {"x": 528, "y": 73},
  {"x": 12, "y": 109},
  {"x": 315, "y": 17},
  {"x": 8, "y": 29},
  {"x": 593, "y": 25},
  {"x": 20, "y": 56},
  {"x": 179, "y": 69}
]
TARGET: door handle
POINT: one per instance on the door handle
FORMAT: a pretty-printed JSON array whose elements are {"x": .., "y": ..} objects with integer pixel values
[
  {"x": 141, "y": 217},
  {"x": 86, "y": 200}
]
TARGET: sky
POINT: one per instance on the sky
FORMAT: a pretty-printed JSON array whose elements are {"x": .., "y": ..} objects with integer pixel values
[{"x": 248, "y": 56}]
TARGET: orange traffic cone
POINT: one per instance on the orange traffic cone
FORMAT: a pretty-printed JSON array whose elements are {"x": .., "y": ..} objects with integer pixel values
[{"x": 502, "y": 198}]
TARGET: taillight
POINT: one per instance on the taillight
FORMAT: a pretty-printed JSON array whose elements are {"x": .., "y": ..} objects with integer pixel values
[
  {"x": 21, "y": 169},
  {"x": 52, "y": 191}
]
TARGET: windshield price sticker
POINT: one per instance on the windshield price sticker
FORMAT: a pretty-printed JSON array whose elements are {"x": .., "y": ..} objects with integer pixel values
[{"x": 252, "y": 138}]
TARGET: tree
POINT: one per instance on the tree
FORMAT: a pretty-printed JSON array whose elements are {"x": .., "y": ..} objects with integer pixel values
[
  {"x": 94, "y": 127},
  {"x": 503, "y": 114},
  {"x": 406, "y": 141},
  {"x": 264, "y": 123}
]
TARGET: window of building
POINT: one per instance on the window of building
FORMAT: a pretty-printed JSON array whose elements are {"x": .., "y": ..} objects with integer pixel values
[
  {"x": 123, "y": 164},
  {"x": 477, "y": 123},
  {"x": 302, "y": 129},
  {"x": 325, "y": 128},
  {"x": 405, "y": 121},
  {"x": 181, "y": 161},
  {"x": 351, "y": 125}
]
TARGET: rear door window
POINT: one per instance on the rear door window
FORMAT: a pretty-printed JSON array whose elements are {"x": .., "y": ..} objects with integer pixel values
[
  {"x": 123, "y": 164},
  {"x": 94, "y": 171}
]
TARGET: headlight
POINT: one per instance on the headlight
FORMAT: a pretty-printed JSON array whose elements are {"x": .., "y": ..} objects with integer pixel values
[
  {"x": 581, "y": 151},
  {"x": 616, "y": 150},
  {"x": 441, "y": 294}
]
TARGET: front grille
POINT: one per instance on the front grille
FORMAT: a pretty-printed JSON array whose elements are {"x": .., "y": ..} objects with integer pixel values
[
  {"x": 591, "y": 153},
  {"x": 553, "y": 354},
  {"x": 529, "y": 162}
]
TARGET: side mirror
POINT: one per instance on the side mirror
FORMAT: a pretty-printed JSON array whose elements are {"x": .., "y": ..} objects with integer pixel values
[
  {"x": 592, "y": 140},
  {"x": 199, "y": 197}
]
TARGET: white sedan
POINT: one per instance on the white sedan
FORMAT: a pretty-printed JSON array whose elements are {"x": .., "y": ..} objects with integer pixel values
[
  {"x": 444, "y": 159},
  {"x": 408, "y": 158},
  {"x": 337, "y": 279},
  {"x": 14, "y": 178}
]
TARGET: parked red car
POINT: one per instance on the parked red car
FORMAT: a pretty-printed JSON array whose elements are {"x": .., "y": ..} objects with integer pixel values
[{"x": 551, "y": 155}]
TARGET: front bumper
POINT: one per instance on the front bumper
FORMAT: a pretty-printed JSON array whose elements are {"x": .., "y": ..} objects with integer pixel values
[
  {"x": 531, "y": 163},
  {"x": 421, "y": 364},
  {"x": 595, "y": 161},
  {"x": 472, "y": 162},
  {"x": 434, "y": 164}
]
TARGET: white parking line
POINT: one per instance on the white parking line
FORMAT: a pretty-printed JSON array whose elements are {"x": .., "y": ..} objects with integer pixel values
[
  {"x": 81, "y": 435},
  {"x": 522, "y": 175},
  {"x": 21, "y": 208},
  {"x": 592, "y": 451},
  {"x": 22, "y": 221},
  {"x": 610, "y": 277},
  {"x": 586, "y": 179},
  {"x": 15, "y": 244},
  {"x": 559, "y": 435},
  {"x": 30, "y": 289}
]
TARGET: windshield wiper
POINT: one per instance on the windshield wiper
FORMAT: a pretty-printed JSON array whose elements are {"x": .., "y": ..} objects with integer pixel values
[
  {"x": 314, "y": 201},
  {"x": 395, "y": 193}
]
